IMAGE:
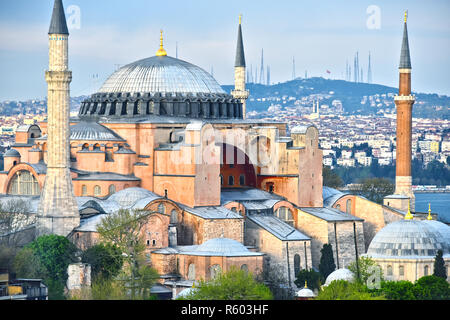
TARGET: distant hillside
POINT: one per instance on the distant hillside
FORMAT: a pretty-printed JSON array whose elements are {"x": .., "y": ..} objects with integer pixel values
[{"x": 351, "y": 95}]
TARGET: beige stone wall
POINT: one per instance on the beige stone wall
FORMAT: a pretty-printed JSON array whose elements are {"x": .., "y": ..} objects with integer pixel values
[
  {"x": 413, "y": 269},
  {"x": 317, "y": 230},
  {"x": 344, "y": 250},
  {"x": 278, "y": 253}
]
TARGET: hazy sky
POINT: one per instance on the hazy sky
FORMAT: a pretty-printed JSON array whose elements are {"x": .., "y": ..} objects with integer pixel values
[{"x": 321, "y": 35}]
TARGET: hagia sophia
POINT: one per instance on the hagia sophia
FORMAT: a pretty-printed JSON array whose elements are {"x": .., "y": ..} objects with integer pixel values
[{"x": 162, "y": 135}]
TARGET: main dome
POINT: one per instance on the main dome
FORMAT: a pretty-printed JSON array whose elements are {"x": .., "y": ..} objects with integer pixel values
[
  {"x": 160, "y": 86},
  {"x": 161, "y": 74}
]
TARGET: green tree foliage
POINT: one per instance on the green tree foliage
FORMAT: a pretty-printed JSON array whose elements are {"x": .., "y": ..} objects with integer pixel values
[
  {"x": 326, "y": 265},
  {"x": 313, "y": 278},
  {"x": 396, "y": 290},
  {"x": 368, "y": 270},
  {"x": 439, "y": 266},
  {"x": 49, "y": 255},
  {"x": 375, "y": 189},
  {"x": 105, "y": 259},
  {"x": 232, "y": 285},
  {"x": 432, "y": 288},
  {"x": 331, "y": 179},
  {"x": 344, "y": 290},
  {"x": 123, "y": 229}
]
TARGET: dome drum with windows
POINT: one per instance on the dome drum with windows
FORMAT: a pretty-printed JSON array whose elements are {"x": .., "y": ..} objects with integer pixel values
[{"x": 161, "y": 86}]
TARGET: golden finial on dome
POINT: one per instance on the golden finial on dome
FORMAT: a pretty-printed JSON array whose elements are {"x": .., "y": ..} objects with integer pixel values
[
  {"x": 161, "y": 52},
  {"x": 306, "y": 284},
  {"x": 429, "y": 212},
  {"x": 406, "y": 15},
  {"x": 409, "y": 216}
]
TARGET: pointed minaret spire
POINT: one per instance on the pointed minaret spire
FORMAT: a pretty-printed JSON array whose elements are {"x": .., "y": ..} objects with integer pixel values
[
  {"x": 240, "y": 56},
  {"x": 405, "y": 59},
  {"x": 58, "y": 24},
  {"x": 239, "y": 91}
]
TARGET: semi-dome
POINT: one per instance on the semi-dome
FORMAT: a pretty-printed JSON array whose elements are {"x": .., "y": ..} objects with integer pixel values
[
  {"x": 161, "y": 86},
  {"x": 161, "y": 74},
  {"x": 340, "y": 274},
  {"x": 11, "y": 153},
  {"x": 407, "y": 239},
  {"x": 129, "y": 196},
  {"x": 93, "y": 131}
]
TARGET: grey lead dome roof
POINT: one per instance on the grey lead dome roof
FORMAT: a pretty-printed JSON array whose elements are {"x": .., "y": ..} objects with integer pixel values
[
  {"x": 161, "y": 74},
  {"x": 407, "y": 239}
]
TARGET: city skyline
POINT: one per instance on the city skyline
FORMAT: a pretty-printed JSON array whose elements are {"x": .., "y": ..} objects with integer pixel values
[{"x": 205, "y": 32}]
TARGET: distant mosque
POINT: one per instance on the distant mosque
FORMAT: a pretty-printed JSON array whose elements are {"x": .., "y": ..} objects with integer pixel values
[{"x": 162, "y": 135}]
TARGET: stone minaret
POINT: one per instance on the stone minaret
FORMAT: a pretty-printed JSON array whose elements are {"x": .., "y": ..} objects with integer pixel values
[
  {"x": 58, "y": 210},
  {"x": 239, "y": 91},
  {"x": 404, "y": 102}
]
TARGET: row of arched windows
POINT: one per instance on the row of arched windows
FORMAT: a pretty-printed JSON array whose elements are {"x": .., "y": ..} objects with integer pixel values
[
  {"x": 24, "y": 183},
  {"x": 231, "y": 180},
  {"x": 97, "y": 190}
]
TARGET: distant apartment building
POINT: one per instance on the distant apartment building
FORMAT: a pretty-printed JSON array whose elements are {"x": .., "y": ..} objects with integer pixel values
[
  {"x": 364, "y": 161},
  {"x": 347, "y": 154},
  {"x": 445, "y": 145},
  {"x": 346, "y": 162},
  {"x": 328, "y": 161},
  {"x": 384, "y": 161}
]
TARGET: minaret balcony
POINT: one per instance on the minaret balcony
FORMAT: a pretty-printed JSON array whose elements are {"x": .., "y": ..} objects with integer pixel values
[{"x": 405, "y": 98}]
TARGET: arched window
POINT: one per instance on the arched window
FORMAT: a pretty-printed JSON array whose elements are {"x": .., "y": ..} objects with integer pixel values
[
  {"x": 389, "y": 270},
  {"x": 349, "y": 206},
  {"x": 401, "y": 270},
  {"x": 296, "y": 265},
  {"x": 244, "y": 268},
  {"x": 97, "y": 190},
  {"x": 112, "y": 189},
  {"x": 425, "y": 271},
  {"x": 338, "y": 207},
  {"x": 85, "y": 147},
  {"x": 234, "y": 209},
  {"x": 161, "y": 208},
  {"x": 191, "y": 272},
  {"x": 84, "y": 190},
  {"x": 215, "y": 270},
  {"x": 221, "y": 180},
  {"x": 174, "y": 216},
  {"x": 96, "y": 147},
  {"x": 231, "y": 181},
  {"x": 24, "y": 183},
  {"x": 242, "y": 180},
  {"x": 285, "y": 214}
]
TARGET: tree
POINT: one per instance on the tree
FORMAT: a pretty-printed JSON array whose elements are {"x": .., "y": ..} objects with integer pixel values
[
  {"x": 313, "y": 278},
  {"x": 344, "y": 290},
  {"x": 331, "y": 179},
  {"x": 274, "y": 278},
  {"x": 105, "y": 259},
  {"x": 27, "y": 264},
  {"x": 326, "y": 265},
  {"x": 375, "y": 189},
  {"x": 235, "y": 284},
  {"x": 123, "y": 229},
  {"x": 369, "y": 270},
  {"x": 54, "y": 253},
  {"x": 432, "y": 288},
  {"x": 396, "y": 290},
  {"x": 439, "y": 266}
]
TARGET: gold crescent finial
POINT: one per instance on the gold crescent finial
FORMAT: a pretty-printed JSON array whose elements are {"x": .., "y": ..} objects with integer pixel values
[
  {"x": 406, "y": 15},
  {"x": 409, "y": 216},
  {"x": 240, "y": 18},
  {"x": 429, "y": 212},
  {"x": 161, "y": 52}
]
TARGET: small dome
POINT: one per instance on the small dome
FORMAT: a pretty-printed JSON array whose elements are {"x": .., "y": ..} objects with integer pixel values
[
  {"x": 11, "y": 153},
  {"x": 222, "y": 245},
  {"x": 185, "y": 292},
  {"x": 408, "y": 239},
  {"x": 305, "y": 293},
  {"x": 128, "y": 197},
  {"x": 93, "y": 131},
  {"x": 340, "y": 274}
]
